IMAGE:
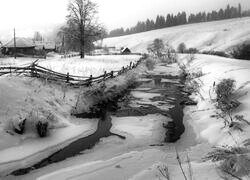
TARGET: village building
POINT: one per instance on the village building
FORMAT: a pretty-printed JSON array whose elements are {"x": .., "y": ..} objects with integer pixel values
[
  {"x": 23, "y": 46},
  {"x": 47, "y": 46},
  {"x": 110, "y": 51},
  {"x": 114, "y": 50},
  {"x": 125, "y": 51},
  {"x": 26, "y": 46}
]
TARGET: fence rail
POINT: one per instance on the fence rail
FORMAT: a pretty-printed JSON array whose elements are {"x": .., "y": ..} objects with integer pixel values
[{"x": 34, "y": 70}]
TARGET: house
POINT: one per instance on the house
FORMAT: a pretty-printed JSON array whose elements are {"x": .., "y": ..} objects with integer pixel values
[
  {"x": 125, "y": 51},
  {"x": 98, "y": 52},
  {"x": 47, "y": 46},
  {"x": 113, "y": 50},
  {"x": 24, "y": 46}
]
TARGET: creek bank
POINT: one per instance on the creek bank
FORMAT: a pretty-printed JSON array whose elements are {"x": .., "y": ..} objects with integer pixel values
[
  {"x": 169, "y": 102},
  {"x": 167, "y": 98}
]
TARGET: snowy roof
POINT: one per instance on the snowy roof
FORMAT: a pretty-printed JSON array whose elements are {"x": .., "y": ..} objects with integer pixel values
[
  {"x": 20, "y": 43},
  {"x": 125, "y": 50}
]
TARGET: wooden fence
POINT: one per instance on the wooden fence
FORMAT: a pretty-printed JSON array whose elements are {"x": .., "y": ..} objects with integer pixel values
[{"x": 34, "y": 70}]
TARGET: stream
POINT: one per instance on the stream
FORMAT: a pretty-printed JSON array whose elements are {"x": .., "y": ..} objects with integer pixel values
[{"x": 171, "y": 95}]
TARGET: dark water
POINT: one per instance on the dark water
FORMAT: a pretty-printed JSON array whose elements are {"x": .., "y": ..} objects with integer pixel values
[
  {"x": 171, "y": 93},
  {"x": 76, "y": 147}
]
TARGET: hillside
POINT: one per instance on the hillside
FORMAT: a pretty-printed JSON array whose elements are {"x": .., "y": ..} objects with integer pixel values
[{"x": 217, "y": 35}]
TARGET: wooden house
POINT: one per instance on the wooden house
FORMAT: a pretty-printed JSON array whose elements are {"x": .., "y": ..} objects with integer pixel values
[{"x": 24, "y": 46}]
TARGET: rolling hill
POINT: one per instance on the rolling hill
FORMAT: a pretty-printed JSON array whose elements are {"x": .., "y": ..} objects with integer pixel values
[{"x": 216, "y": 35}]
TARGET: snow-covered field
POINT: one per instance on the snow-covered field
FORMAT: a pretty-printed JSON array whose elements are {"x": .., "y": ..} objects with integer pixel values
[
  {"x": 90, "y": 65},
  {"x": 217, "y": 35}
]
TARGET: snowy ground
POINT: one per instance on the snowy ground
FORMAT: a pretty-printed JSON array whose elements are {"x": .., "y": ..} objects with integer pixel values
[
  {"x": 215, "y": 69},
  {"x": 21, "y": 97},
  {"x": 217, "y": 35},
  {"x": 90, "y": 65},
  {"x": 33, "y": 99},
  {"x": 144, "y": 163},
  {"x": 134, "y": 158}
]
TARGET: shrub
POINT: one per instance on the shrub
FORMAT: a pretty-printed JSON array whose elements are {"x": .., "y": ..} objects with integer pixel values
[
  {"x": 196, "y": 74},
  {"x": 150, "y": 63},
  {"x": 181, "y": 48},
  {"x": 193, "y": 86},
  {"x": 232, "y": 159},
  {"x": 184, "y": 71},
  {"x": 92, "y": 101},
  {"x": 224, "y": 96},
  {"x": 224, "y": 90},
  {"x": 226, "y": 103},
  {"x": 20, "y": 127},
  {"x": 241, "y": 52},
  {"x": 42, "y": 127},
  {"x": 163, "y": 52},
  {"x": 164, "y": 171},
  {"x": 216, "y": 53},
  {"x": 191, "y": 51},
  {"x": 156, "y": 48},
  {"x": 169, "y": 54},
  {"x": 15, "y": 124}
]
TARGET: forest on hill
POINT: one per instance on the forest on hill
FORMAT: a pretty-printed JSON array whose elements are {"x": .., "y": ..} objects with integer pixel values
[{"x": 181, "y": 18}]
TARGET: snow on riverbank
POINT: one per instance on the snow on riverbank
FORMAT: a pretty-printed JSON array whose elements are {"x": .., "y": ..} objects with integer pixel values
[
  {"x": 32, "y": 150},
  {"x": 202, "y": 132},
  {"x": 19, "y": 98},
  {"x": 215, "y": 69},
  {"x": 141, "y": 127},
  {"x": 121, "y": 167},
  {"x": 22, "y": 97}
]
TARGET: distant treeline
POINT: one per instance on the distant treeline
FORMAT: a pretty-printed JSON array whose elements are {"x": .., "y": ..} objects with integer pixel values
[{"x": 180, "y": 19}]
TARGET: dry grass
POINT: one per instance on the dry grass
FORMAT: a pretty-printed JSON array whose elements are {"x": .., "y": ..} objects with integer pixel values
[{"x": 233, "y": 160}]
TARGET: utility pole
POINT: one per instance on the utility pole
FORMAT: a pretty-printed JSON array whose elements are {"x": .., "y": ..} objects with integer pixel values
[
  {"x": 63, "y": 48},
  {"x": 14, "y": 43}
]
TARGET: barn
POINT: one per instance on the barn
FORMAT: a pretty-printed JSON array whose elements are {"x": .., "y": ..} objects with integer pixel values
[
  {"x": 24, "y": 46},
  {"x": 125, "y": 51}
]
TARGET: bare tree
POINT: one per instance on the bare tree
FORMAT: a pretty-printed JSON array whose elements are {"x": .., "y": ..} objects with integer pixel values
[
  {"x": 82, "y": 26},
  {"x": 37, "y": 36}
]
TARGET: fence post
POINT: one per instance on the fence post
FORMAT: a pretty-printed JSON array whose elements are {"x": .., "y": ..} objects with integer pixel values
[
  {"x": 112, "y": 74},
  {"x": 32, "y": 70},
  {"x": 105, "y": 74},
  {"x": 90, "y": 80},
  {"x": 130, "y": 65},
  {"x": 123, "y": 69},
  {"x": 10, "y": 70},
  {"x": 67, "y": 78}
]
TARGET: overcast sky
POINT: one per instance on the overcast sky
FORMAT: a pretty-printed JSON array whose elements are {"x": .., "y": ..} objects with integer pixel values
[{"x": 28, "y": 16}]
